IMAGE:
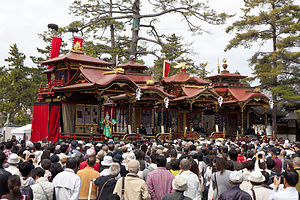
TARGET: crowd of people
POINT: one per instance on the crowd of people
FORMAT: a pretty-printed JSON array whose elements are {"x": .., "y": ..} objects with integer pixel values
[{"x": 150, "y": 169}]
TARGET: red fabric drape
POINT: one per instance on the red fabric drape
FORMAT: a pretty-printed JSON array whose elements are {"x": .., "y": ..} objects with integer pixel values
[
  {"x": 75, "y": 41},
  {"x": 54, "y": 123},
  {"x": 166, "y": 68},
  {"x": 55, "y": 47},
  {"x": 40, "y": 122}
]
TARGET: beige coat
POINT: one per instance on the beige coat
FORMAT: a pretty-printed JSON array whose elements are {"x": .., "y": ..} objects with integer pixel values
[{"x": 135, "y": 188}]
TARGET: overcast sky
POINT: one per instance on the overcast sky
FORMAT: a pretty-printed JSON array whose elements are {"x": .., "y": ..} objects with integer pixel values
[{"x": 22, "y": 20}]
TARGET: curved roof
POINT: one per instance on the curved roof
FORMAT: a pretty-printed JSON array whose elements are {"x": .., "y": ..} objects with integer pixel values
[
  {"x": 226, "y": 74},
  {"x": 159, "y": 89},
  {"x": 76, "y": 57},
  {"x": 141, "y": 78},
  {"x": 132, "y": 65},
  {"x": 184, "y": 78}
]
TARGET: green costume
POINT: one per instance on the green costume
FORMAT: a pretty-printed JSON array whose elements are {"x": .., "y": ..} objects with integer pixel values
[{"x": 108, "y": 126}]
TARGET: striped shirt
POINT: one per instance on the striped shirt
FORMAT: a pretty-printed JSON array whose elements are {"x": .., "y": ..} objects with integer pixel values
[{"x": 159, "y": 183}]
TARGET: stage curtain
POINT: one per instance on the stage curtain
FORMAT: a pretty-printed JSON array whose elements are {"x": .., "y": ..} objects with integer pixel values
[
  {"x": 54, "y": 123},
  {"x": 68, "y": 114},
  {"x": 40, "y": 117}
]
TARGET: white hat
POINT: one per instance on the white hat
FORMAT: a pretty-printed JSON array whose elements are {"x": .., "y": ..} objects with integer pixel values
[
  {"x": 13, "y": 159},
  {"x": 80, "y": 142},
  {"x": 107, "y": 161},
  {"x": 130, "y": 156},
  {"x": 257, "y": 177},
  {"x": 29, "y": 143},
  {"x": 236, "y": 177},
  {"x": 179, "y": 183},
  {"x": 90, "y": 152},
  {"x": 26, "y": 152}
]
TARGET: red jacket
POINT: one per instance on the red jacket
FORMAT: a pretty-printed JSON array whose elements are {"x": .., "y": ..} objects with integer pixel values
[
  {"x": 241, "y": 158},
  {"x": 84, "y": 164}
]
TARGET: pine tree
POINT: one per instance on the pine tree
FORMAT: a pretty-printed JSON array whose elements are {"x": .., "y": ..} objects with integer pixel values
[
  {"x": 275, "y": 21},
  {"x": 18, "y": 90}
]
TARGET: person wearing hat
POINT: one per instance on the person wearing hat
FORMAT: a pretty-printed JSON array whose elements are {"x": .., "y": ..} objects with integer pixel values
[
  {"x": 180, "y": 185},
  {"x": 13, "y": 161},
  {"x": 258, "y": 192},
  {"x": 118, "y": 159},
  {"x": 278, "y": 163},
  {"x": 134, "y": 187},
  {"x": 235, "y": 193},
  {"x": 73, "y": 150},
  {"x": 106, "y": 163}
]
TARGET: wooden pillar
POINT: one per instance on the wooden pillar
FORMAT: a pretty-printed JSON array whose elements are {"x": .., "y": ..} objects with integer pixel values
[
  {"x": 191, "y": 116},
  {"x": 133, "y": 116},
  {"x": 248, "y": 119},
  {"x": 99, "y": 111},
  {"x": 153, "y": 120},
  {"x": 266, "y": 118},
  {"x": 162, "y": 116},
  {"x": 242, "y": 111},
  {"x": 129, "y": 114}
]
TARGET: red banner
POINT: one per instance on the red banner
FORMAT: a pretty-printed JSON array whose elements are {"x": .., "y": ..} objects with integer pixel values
[
  {"x": 55, "y": 47},
  {"x": 166, "y": 68},
  {"x": 77, "y": 44},
  {"x": 40, "y": 119},
  {"x": 53, "y": 133}
]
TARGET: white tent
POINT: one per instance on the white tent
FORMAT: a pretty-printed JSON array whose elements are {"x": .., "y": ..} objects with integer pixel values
[{"x": 19, "y": 132}]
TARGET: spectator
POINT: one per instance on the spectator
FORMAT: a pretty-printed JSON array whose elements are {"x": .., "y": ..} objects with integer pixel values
[
  {"x": 26, "y": 180},
  {"x": 106, "y": 184},
  {"x": 220, "y": 179},
  {"x": 67, "y": 184},
  {"x": 90, "y": 153},
  {"x": 258, "y": 192},
  {"x": 106, "y": 163},
  {"x": 233, "y": 154},
  {"x": 278, "y": 163},
  {"x": 63, "y": 151},
  {"x": 8, "y": 147},
  {"x": 235, "y": 193},
  {"x": 173, "y": 155},
  {"x": 159, "y": 181},
  {"x": 134, "y": 187},
  {"x": 14, "y": 185},
  {"x": 180, "y": 185},
  {"x": 13, "y": 161},
  {"x": 42, "y": 189},
  {"x": 296, "y": 165},
  {"x": 151, "y": 167},
  {"x": 118, "y": 159},
  {"x": 86, "y": 175},
  {"x": 290, "y": 180},
  {"x": 3, "y": 176},
  {"x": 46, "y": 164},
  {"x": 194, "y": 187}
]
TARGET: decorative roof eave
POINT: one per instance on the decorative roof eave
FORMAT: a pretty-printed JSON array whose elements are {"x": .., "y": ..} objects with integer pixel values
[
  {"x": 76, "y": 57},
  {"x": 184, "y": 78},
  {"x": 226, "y": 74},
  {"x": 132, "y": 65},
  {"x": 206, "y": 92},
  {"x": 156, "y": 90}
]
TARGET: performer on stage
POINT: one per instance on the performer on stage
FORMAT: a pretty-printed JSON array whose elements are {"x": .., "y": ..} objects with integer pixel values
[
  {"x": 142, "y": 130},
  {"x": 108, "y": 125},
  {"x": 199, "y": 129}
]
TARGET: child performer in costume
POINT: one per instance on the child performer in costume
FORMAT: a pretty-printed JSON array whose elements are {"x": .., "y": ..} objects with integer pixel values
[{"x": 108, "y": 125}]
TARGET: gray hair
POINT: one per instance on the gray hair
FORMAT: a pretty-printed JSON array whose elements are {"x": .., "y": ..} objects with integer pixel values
[
  {"x": 296, "y": 162},
  {"x": 185, "y": 164},
  {"x": 114, "y": 169}
]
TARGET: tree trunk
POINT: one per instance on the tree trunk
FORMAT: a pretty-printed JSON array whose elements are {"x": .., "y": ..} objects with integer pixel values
[
  {"x": 135, "y": 27},
  {"x": 112, "y": 37}
]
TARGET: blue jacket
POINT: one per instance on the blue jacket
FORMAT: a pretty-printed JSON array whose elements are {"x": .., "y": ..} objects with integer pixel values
[{"x": 235, "y": 193}]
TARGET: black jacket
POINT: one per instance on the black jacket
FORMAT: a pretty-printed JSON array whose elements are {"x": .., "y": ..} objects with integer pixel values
[
  {"x": 175, "y": 196},
  {"x": 108, "y": 187},
  {"x": 3, "y": 181},
  {"x": 235, "y": 194}
]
